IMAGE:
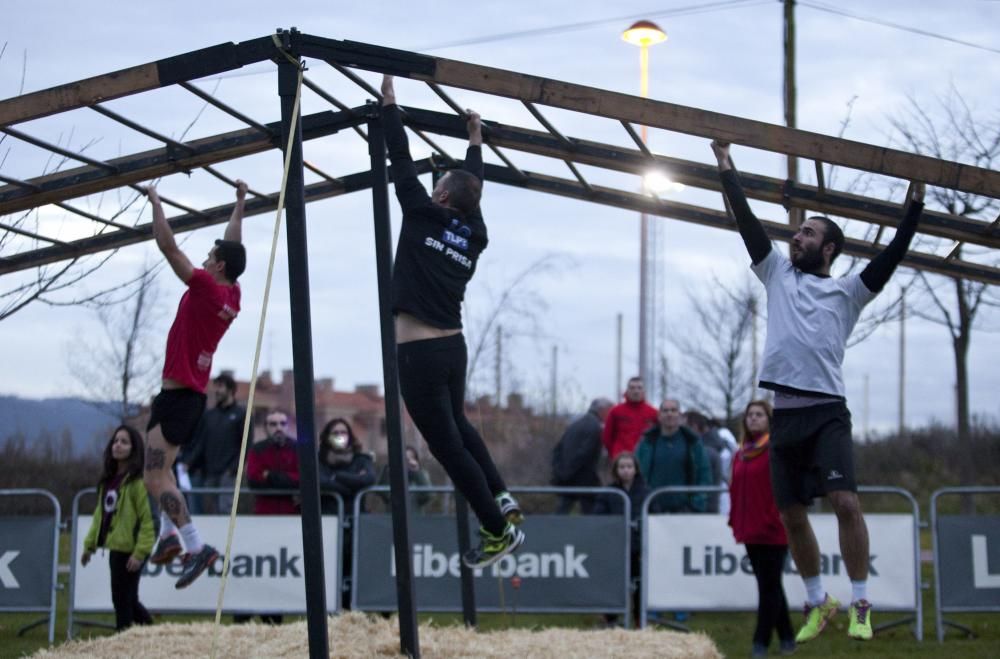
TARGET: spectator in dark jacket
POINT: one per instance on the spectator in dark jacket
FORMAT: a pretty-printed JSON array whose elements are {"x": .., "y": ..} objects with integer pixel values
[
  {"x": 345, "y": 469},
  {"x": 344, "y": 466},
  {"x": 699, "y": 423},
  {"x": 625, "y": 476},
  {"x": 575, "y": 457},
  {"x": 671, "y": 455},
  {"x": 215, "y": 451}
]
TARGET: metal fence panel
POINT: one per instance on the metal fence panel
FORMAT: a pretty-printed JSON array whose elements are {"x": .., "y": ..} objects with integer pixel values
[
  {"x": 966, "y": 559},
  {"x": 266, "y": 575},
  {"x": 29, "y": 555},
  {"x": 569, "y": 563}
]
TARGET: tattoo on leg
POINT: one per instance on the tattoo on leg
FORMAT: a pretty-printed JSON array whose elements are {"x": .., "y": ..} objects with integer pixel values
[
  {"x": 175, "y": 509},
  {"x": 155, "y": 458}
]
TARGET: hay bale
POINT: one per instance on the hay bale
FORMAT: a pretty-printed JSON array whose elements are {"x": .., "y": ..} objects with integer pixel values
[{"x": 357, "y": 635}]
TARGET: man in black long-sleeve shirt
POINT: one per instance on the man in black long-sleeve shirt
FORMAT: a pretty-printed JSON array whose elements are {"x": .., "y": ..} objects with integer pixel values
[
  {"x": 440, "y": 241},
  {"x": 810, "y": 317}
]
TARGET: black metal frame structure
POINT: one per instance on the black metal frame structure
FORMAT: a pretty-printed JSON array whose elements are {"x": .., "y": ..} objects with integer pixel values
[{"x": 95, "y": 176}]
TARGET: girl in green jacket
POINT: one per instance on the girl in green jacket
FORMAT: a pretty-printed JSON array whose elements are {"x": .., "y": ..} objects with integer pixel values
[{"x": 123, "y": 524}]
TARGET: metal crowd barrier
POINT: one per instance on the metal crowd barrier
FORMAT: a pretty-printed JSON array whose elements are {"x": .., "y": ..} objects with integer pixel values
[
  {"x": 13, "y": 572},
  {"x": 78, "y": 526},
  {"x": 542, "y": 529},
  {"x": 968, "y": 585},
  {"x": 916, "y": 618}
]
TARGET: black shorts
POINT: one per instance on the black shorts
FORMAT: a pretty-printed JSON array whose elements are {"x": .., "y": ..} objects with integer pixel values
[
  {"x": 177, "y": 412},
  {"x": 812, "y": 453}
]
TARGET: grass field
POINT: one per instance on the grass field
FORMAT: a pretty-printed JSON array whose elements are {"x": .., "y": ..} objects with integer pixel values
[{"x": 730, "y": 631}]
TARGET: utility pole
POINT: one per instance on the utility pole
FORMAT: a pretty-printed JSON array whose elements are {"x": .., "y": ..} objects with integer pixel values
[
  {"x": 794, "y": 214},
  {"x": 497, "y": 367},
  {"x": 902, "y": 362},
  {"x": 554, "y": 384},
  {"x": 618, "y": 361},
  {"x": 865, "y": 426}
]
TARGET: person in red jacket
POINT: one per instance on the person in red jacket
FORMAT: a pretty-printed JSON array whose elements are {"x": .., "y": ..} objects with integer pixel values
[
  {"x": 274, "y": 464},
  {"x": 756, "y": 523},
  {"x": 627, "y": 420}
]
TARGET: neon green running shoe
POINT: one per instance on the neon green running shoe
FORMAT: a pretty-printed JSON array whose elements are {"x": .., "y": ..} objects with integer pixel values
[
  {"x": 816, "y": 619},
  {"x": 861, "y": 620},
  {"x": 493, "y": 547}
]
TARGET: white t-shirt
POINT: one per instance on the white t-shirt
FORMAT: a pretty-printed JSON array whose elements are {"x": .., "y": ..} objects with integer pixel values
[{"x": 809, "y": 319}]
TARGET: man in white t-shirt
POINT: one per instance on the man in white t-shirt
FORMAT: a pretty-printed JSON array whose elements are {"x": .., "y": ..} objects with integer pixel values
[{"x": 810, "y": 316}]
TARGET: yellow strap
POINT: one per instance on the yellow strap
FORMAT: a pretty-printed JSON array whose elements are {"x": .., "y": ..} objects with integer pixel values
[{"x": 256, "y": 355}]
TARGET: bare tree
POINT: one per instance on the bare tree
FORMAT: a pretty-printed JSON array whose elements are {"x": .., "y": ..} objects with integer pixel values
[
  {"x": 716, "y": 360},
  {"x": 516, "y": 312},
  {"x": 118, "y": 374},
  {"x": 951, "y": 130}
]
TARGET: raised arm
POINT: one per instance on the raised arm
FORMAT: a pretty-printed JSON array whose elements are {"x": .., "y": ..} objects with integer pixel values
[
  {"x": 876, "y": 274},
  {"x": 409, "y": 191},
  {"x": 474, "y": 153},
  {"x": 234, "y": 230},
  {"x": 164, "y": 236},
  {"x": 754, "y": 236}
]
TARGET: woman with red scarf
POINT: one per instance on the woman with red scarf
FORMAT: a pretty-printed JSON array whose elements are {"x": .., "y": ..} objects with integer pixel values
[{"x": 755, "y": 522}]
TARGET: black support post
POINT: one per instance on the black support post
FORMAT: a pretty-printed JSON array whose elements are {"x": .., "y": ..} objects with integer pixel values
[
  {"x": 405, "y": 596},
  {"x": 302, "y": 361},
  {"x": 462, "y": 522}
]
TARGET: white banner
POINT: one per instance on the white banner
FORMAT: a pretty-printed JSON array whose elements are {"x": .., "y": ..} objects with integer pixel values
[
  {"x": 694, "y": 564},
  {"x": 266, "y": 575}
]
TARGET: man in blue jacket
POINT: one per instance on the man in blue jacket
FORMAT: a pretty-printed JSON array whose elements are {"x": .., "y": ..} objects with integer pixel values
[{"x": 670, "y": 454}]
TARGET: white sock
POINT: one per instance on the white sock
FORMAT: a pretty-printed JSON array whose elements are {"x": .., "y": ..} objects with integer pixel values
[
  {"x": 815, "y": 594},
  {"x": 192, "y": 541},
  {"x": 859, "y": 590},
  {"x": 166, "y": 525}
]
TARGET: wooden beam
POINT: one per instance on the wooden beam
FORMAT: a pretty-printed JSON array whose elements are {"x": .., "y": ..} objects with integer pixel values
[
  {"x": 631, "y": 161},
  {"x": 780, "y": 231},
  {"x": 713, "y": 125},
  {"x": 183, "y": 223},
  {"x": 162, "y": 161},
  {"x": 135, "y": 79}
]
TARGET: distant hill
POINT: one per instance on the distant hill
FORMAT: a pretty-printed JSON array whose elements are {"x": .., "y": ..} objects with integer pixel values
[{"x": 35, "y": 418}]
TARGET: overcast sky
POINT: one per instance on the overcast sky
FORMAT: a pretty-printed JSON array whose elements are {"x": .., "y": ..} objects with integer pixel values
[{"x": 724, "y": 57}]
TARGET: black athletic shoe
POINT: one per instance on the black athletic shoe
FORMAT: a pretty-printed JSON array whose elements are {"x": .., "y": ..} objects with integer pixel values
[
  {"x": 194, "y": 564},
  {"x": 167, "y": 549},
  {"x": 493, "y": 547}
]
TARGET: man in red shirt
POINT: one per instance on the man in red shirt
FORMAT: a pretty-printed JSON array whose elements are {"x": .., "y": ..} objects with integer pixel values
[
  {"x": 274, "y": 464},
  {"x": 628, "y": 420},
  {"x": 205, "y": 312}
]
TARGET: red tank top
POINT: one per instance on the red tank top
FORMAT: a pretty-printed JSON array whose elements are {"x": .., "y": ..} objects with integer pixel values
[{"x": 205, "y": 312}]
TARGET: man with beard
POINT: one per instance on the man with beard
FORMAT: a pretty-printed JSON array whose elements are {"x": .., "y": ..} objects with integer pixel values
[
  {"x": 215, "y": 451},
  {"x": 810, "y": 315}
]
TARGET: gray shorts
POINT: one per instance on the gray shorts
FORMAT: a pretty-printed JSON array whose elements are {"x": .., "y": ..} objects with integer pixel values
[{"x": 812, "y": 453}]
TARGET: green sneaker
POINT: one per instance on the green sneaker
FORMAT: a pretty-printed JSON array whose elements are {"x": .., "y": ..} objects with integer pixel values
[
  {"x": 493, "y": 547},
  {"x": 816, "y": 619},
  {"x": 509, "y": 508},
  {"x": 861, "y": 620}
]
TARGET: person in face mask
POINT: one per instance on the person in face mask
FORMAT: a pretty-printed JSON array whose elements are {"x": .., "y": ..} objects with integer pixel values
[{"x": 345, "y": 468}]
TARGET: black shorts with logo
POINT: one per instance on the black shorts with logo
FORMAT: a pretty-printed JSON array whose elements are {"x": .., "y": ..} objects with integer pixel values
[
  {"x": 812, "y": 453},
  {"x": 177, "y": 412}
]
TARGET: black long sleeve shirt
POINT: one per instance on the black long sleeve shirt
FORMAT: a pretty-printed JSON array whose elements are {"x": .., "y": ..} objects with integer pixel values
[{"x": 438, "y": 247}]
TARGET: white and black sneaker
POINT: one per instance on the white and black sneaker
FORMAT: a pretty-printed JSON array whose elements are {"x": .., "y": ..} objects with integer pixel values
[{"x": 509, "y": 508}]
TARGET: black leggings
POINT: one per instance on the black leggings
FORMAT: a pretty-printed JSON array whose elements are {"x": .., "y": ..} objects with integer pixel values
[
  {"x": 432, "y": 381},
  {"x": 125, "y": 593},
  {"x": 772, "y": 607}
]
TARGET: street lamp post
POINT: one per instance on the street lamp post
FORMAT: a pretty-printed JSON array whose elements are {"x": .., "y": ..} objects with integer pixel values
[{"x": 645, "y": 34}]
